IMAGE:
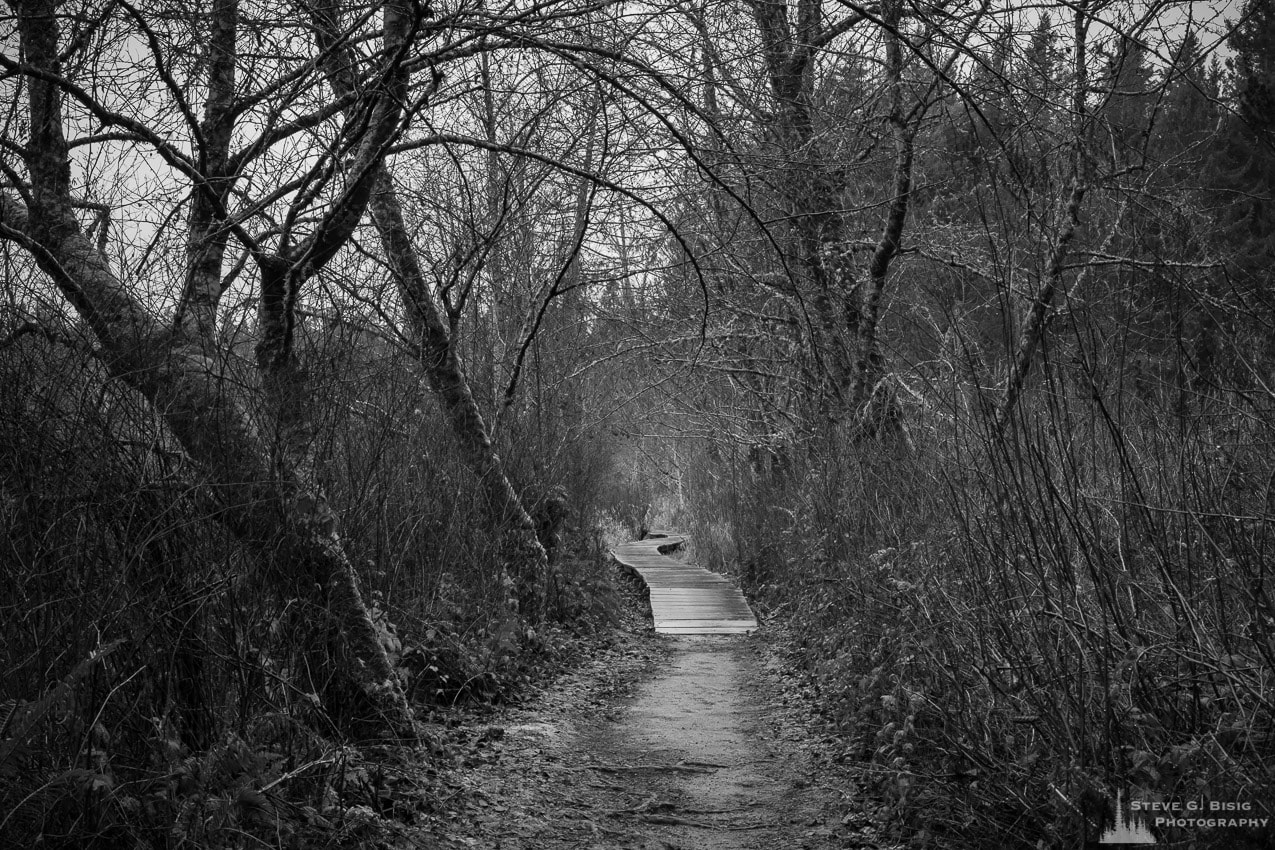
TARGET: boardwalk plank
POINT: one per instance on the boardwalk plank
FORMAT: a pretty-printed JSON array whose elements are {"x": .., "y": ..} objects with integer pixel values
[{"x": 686, "y": 599}]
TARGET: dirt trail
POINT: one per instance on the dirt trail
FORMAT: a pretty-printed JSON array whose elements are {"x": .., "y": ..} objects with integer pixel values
[
  {"x": 676, "y": 743},
  {"x": 720, "y": 772}
]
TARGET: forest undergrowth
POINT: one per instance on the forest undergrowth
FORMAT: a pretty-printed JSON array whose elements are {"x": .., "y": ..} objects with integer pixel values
[
  {"x": 157, "y": 692},
  {"x": 1014, "y": 630}
]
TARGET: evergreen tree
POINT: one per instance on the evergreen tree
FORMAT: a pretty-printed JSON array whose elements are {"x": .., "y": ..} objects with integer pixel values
[
  {"x": 981, "y": 122},
  {"x": 1041, "y": 103},
  {"x": 1246, "y": 160},
  {"x": 1126, "y": 110},
  {"x": 1189, "y": 115},
  {"x": 1254, "y": 64},
  {"x": 1042, "y": 62}
]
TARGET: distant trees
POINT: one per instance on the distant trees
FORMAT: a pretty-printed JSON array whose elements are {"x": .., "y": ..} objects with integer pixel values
[
  {"x": 1246, "y": 166},
  {"x": 818, "y": 106},
  {"x": 1056, "y": 119}
]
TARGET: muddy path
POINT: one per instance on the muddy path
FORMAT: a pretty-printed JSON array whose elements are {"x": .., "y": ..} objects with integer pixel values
[
  {"x": 696, "y": 759},
  {"x": 670, "y": 742}
]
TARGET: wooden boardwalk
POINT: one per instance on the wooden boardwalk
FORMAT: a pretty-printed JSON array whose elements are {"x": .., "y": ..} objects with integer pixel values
[{"x": 685, "y": 599}]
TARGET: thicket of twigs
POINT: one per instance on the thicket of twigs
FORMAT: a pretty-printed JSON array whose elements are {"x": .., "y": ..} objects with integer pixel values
[
  {"x": 1035, "y": 576},
  {"x": 1010, "y": 628},
  {"x": 158, "y": 692},
  {"x": 1015, "y": 622}
]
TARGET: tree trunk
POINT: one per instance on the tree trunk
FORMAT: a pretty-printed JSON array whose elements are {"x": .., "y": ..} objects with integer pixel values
[
  {"x": 525, "y": 561},
  {"x": 179, "y": 379},
  {"x": 874, "y": 403},
  {"x": 206, "y": 238},
  {"x": 1036, "y": 322},
  {"x": 523, "y": 555},
  {"x": 844, "y": 306}
]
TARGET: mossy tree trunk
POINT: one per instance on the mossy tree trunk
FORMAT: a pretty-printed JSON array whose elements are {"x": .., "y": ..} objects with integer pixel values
[
  {"x": 525, "y": 562},
  {"x": 268, "y": 498}
]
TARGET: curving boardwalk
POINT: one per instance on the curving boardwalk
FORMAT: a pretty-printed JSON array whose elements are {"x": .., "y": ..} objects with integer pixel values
[{"x": 685, "y": 599}]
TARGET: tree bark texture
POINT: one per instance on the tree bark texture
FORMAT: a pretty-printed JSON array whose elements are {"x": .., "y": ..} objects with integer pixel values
[
  {"x": 873, "y": 405},
  {"x": 207, "y": 238}
]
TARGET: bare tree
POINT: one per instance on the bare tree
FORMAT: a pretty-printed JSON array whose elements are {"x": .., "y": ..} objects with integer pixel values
[{"x": 263, "y": 482}]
